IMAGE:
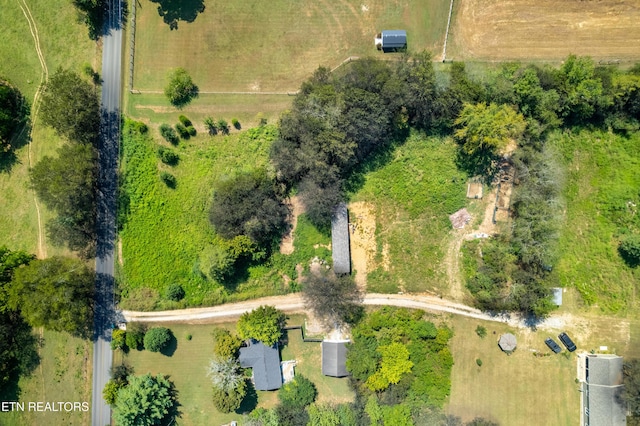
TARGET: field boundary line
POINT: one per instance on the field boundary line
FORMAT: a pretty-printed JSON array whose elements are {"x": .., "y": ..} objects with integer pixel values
[
  {"x": 446, "y": 34},
  {"x": 132, "y": 43},
  {"x": 44, "y": 76}
]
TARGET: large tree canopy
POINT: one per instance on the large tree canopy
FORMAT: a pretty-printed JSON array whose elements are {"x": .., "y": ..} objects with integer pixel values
[
  {"x": 332, "y": 299},
  {"x": 13, "y": 111},
  {"x": 55, "y": 293},
  {"x": 263, "y": 324},
  {"x": 147, "y": 400},
  {"x": 67, "y": 184},
  {"x": 247, "y": 204},
  {"x": 70, "y": 105}
]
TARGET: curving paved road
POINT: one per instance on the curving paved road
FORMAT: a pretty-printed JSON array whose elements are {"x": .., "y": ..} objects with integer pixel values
[{"x": 106, "y": 224}]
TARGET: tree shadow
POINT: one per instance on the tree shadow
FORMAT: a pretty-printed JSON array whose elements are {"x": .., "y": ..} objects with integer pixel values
[
  {"x": 250, "y": 401},
  {"x": 173, "y": 11},
  {"x": 8, "y": 158},
  {"x": 174, "y": 410},
  {"x": 170, "y": 347}
]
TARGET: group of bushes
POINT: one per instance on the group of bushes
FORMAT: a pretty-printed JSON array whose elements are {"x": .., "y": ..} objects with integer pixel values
[
  {"x": 137, "y": 337},
  {"x": 221, "y": 126}
]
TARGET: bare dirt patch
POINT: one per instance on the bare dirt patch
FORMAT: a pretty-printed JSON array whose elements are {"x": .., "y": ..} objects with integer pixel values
[
  {"x": 546, "y": 29},
  {"x": 286, "y": 246},
  {"x": 363, "y": 240}
]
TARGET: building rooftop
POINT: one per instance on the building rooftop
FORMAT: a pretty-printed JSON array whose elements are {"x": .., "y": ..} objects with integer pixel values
[
  {"x": 265, "y": 362},
  {"x": 334, "y": 358},
  {"x": 340, "y": 250}
]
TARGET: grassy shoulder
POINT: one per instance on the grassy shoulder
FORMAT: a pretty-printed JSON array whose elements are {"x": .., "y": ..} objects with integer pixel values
[
  {"x": 413, "y": 194},
  {"x": 600, "y": 194},
  {"x": 64, "y": 374}
]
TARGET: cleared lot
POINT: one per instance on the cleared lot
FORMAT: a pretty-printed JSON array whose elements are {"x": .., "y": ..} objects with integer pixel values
[{"x": 545, "y": 29}]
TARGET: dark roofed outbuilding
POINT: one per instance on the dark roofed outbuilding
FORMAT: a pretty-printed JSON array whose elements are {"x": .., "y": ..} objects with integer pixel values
[
  {"x": 340, "y": 250},
  {"x": 265, "y": 362},
  {"x": 334, "y": 358},
  {"x": 392, "y": 40}
]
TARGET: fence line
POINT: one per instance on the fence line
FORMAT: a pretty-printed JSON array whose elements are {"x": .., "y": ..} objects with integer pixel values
[
  {"x": 301, "y": 328},
  {"x": 132, "y": 43},
  {"x": 446, "y": 35}
]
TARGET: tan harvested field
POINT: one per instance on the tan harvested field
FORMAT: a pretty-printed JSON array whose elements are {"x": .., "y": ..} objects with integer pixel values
[{"x": 545, "y": 30}]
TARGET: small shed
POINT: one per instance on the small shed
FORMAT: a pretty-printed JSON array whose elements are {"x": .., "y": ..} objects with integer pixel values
[
  {"x": 507, "y": 343},
  {"x": 265, "y": 363},
  {"x": 391, "y": 41},
  {"x": 557, "y": 296},
  {"x": 334, "y": 358},
  {"x": 340, "y": 250}
]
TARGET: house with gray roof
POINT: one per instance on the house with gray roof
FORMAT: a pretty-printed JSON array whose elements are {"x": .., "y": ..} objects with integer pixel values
[
  {"x": 601, "y": 387},
  {"x": 334, "y": 358},
  {"x": 265, "y": 362},
  {"x": 391, "y": 41},
  {"x": 340, "y": 250}
]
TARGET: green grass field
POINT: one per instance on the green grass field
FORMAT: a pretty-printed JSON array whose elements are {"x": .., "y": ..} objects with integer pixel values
[
  {"x": 519, "y": 389},
  {"x": 187, "y": 369},
  {"x": 601, "y": 179},
  {"x": 273, "y": 46},
  {"x": 166, "y": 229},
  {"x": 64, "y": 43},
  {"x": 64, "y": 374},
  {"x": 413, "y": 194}
]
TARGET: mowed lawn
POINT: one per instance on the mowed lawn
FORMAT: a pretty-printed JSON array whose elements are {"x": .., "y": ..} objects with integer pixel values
[
  {"x": 64, "y": 43},
  {"x": 253, "y": 45},
  {"x": 519, "y": 389},
  {"x": 64, "y": 374},
  {"x": 187, "y": 368},
  {"x": 413, "y": 194}
]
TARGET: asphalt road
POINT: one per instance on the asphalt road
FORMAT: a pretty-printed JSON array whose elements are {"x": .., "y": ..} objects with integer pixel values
[{"x": 107, "y": 186}]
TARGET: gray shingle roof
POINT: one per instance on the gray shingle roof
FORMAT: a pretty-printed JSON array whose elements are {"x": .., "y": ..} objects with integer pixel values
[
  {"x": 340, "y": 240},
  {"x": 600, "y": 397},
  {"x": 334, "y": 358},
  {"x": 265, "y": 361},
  {"x": 394, "y": 39}
]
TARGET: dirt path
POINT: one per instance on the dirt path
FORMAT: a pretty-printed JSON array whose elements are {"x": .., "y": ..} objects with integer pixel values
[
  {"x": 294, "y": 303},
  {"x": 297, "y": 208},
  {"x": 363, "y": 240},
  {"x": 41, "y": 250}
]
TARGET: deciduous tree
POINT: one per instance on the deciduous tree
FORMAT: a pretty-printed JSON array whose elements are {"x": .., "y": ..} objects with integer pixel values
[
  {"x": 263, "y": 324},
  {"x": 228, "y": 401},
  {"x": 70, "y": 105},
  {"x": 146, "y": 400},
  {"x": 157, "y": 338},
  {"x": 14, "y": 110},
  {"x": 55, "y": 293},
  {"x": 180, "y": 89}
]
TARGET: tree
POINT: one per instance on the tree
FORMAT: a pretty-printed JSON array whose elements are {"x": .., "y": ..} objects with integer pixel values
[
  {"x": 223, "y": 126},
  {"x": 298, "y": 393},
  {"x": 118, "y": 340},
  {"x": 14, "y": 111},
  {"x": 479, "y": 421},
  {"x": 92, "y": 14},
  {"x": 111, "y": 389},
  {"x": 175, "y": 292},
  {"x": 168, "y": 156},
  {"x": 169, "y": 134},
  {"x": 394, "y": 363},
  {"x": 629, "y": 249},
  {"x": 483, "y": 128},
  {"x": 333, "y": 299},
  {"x": 180, "y": 89},
  {"x": 263, "y": 324},
  {"x": 225, "y": 373},
  {"x": 157, "y": 339},
  {"x": 247, "y": 204},
  {"x": 211, "y": 125},
  {"x": 67, "y": 185},
  {"x": 55, "y": 293},
  {"x": 146, "y": 400},
  {"x": 135, "y": 335},
  {"x": 228, "y": 401},
  {"x": 581, "y": 91},
  {"x": 217, "y": 262},
  {"x": 225, "y": 344},
  {"x": 70, "y": 105}
]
